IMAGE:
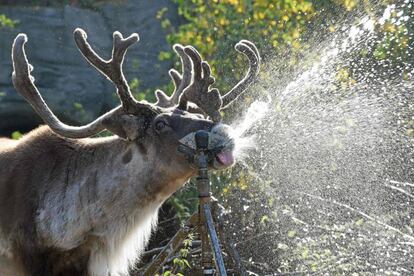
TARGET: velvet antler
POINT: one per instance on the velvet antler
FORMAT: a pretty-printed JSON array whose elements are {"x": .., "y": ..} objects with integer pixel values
[
  {"x": 112, "y": 69},
  {"x": 208, "y": 99}
]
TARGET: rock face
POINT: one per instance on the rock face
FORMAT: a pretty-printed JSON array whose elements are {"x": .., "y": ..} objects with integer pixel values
[{"x": 75, "y": 91}]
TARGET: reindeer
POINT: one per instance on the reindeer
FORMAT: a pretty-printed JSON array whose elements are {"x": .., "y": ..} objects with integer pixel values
[{"x": 75, "y": 205}]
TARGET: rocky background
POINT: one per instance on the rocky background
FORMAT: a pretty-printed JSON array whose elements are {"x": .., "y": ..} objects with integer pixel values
[{"x": 74, "y": 90}]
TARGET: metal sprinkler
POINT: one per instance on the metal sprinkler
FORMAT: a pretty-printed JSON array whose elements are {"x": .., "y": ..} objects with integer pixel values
[{"x": 203, "y": 222}]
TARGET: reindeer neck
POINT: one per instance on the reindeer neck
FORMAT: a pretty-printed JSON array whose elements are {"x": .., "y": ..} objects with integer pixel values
[
  {"x": 99, "y": 183},
  {"x": 136, "y": 170}
]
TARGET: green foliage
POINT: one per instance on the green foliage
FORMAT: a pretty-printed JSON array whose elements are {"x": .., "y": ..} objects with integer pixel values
[
  {"x": 78, "y": 106},
  {"x": 183, "y": 211},
  {"x": 141, "y": 94},
  {"x": 80, "y": 112},
  {"x": 388, "y": 52},
  {"x": 214, "y": 27},
  {"x": 180, "y": 263},
  {"x": 223, "y": 22},
  {"x": 6, "y": 22},
  {"x": 16, "y": 135}
]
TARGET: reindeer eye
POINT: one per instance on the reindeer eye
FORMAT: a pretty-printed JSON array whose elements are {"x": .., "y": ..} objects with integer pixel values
[{"x": 160, "y": 125}]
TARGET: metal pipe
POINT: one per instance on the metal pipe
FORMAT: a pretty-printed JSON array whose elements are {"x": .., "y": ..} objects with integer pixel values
[{"x": 214, "y": 241}]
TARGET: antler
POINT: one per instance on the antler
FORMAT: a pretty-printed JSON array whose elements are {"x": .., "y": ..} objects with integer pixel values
[
  {"x": 24, "y": 84},
  {"x": 180, "y": 82},
  {"x": 112, "y": 68},
  {"x": 199, "y": 91},
  {"x": 250, "y": 51},
  {"x": 209, "y": 100}
]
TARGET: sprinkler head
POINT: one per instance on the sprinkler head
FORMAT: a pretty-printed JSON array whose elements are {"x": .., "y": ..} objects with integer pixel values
[
  {"x": 198, "y": 142},
  {"x": 201, "y": 139}
]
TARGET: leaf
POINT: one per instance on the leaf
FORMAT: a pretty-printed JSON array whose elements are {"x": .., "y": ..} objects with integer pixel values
[
  {"x": 164, "y": 56},
  {"x": 7, "y": 22},
  {"x": 187, "y": 263},
  {"x": 291, "y": 233},
  {"x": 16, "y": 135},
  {"x": 282, "y": 246},
  {"x": 264, "y": 219},
  {"x": 359, "y": 222},
  {"x": 78, "y": 106}
]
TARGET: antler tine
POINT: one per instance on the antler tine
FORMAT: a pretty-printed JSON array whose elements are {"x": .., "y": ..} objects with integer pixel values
[
  {"x": 196, "y": 61},
  {"x": 162, "y": 99},
  {"x": 186, "y": 68},
  {"x": 209, "y": 100},
  {"x": 199, "y": 91},
  {"x": 253, "y": 47},
  {"x": 250, "y": 51},
  {"x": 112, "y": 68},
  {"x": 24, "y": 84},
  {"x": 176, "y": 78},
  {"x": 180, "y": 82}
]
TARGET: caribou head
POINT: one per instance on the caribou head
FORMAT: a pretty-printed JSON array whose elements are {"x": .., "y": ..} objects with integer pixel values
[
  {"x": 193, "y": 105},
  {"x": 98, "y": 197}
]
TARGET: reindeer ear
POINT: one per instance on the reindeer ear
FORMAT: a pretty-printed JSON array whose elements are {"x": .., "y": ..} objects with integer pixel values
[{"x": 128, "y": 127}]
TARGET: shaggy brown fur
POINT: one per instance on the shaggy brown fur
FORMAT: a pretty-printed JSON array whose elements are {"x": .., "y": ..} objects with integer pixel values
[
  {"x": 42, "y": 171},
  {"x": 73, "y": 205}
]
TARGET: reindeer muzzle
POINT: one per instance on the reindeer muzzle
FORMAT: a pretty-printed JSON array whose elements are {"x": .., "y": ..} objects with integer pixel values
[{"x": 218, "y": 147}]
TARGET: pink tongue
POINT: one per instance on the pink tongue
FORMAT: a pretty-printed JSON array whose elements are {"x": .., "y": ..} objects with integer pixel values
[{"x": 226, "y": 158}]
